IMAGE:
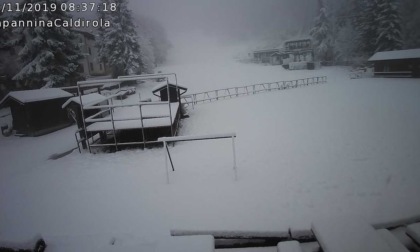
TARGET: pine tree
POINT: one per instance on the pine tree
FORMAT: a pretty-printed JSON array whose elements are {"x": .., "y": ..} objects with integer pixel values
[
  {"x": 321, "y": 34},
  {"x": 146, "y": 54},
  {"x": 366, "y": 25},
  {"x": 344, "y": 47},
  {"x": 410, "y": 23},
  {"x": 389, "y": 28},
  {"x": 156, "y": 34},
  {"x": 118, "y": 45},
  {"x": 49, "y": 55}
]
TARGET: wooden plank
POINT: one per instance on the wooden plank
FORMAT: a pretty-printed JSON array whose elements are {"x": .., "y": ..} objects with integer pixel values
[
  {"x": 413, "y": 231},
  {"x": 289, "y": 246},
  {"x": 391, "y": 240},
  {"x": 348, "y": 234}
]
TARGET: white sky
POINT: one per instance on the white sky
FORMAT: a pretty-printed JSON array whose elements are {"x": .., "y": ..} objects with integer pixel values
[{"x": 228, "y": 18}]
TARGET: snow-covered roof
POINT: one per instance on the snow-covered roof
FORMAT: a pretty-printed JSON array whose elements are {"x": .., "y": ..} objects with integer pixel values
[
  {"x": 163, "y": 86},
  {"x": 267, "y": 50},
  {"x": 392, "y": 55},
  {"x": 88, "y": 99},
  {"x": 26, "y": 96},
  {"x": 297, "y": 39}
]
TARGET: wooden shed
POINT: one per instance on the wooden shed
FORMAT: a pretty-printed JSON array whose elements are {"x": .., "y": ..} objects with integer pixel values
[
  {"x": 401, "y": 63},
  {"x": 37, "y": 112},
  {"x": 175, "y": 92}
]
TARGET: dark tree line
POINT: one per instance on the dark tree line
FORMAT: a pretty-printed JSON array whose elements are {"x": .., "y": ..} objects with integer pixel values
[
  {"x": 355, "y": 29},
  {"x": 36, "y": 57}
]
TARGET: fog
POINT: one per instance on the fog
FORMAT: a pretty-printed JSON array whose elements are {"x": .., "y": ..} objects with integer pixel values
[{"x": 228, "y": 20}]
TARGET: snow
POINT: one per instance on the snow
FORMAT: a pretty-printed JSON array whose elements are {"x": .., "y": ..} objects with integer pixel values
[
  {"x": 399, "y": 54},
  {"x": 28, "y": 244},
  {"x": 345, "y": 233},
  {"x": 26, "y": 96},
  {"x": 344, "y": 147},
  {"x": 109, "y": 243},
  {"x": 236, "y": 234},
  {"x": 88, "y": 99},
  {"x": 251, "y": 249},
  {"x": 401, "y": 235},
  {"x": 413, "y": 231},
  {"x": 289, "y": 246},
  {"x": 391, "y": 240}
]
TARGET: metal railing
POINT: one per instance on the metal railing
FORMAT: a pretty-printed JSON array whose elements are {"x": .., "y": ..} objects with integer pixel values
[
  {"x": 110, "y": 109},
  {"x": 233, "y": 92},
  {"x": 167, "y": 155}
]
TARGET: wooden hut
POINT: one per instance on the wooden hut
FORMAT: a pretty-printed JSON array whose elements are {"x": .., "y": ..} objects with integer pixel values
[
  {"x": 37, "y": 112},
  {"x": 265, "y": 56},
  {"x": 175, "y": 92},
  {"x": 401, "y": 63}
]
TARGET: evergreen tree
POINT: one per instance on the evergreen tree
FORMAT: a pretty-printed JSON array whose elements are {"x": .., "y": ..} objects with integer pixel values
[
  {"x": 49, "y": 55},
  {"x": 149, "y": 29},
  {"x": 410, "y": 23},
  {"x": 344, "y": 47},
  {"x": 389, "y": 28},
  {"x": 366, "y": 25},
  {"x": 321, "y": 34},
  {"x": 118, "y": 45},
  {"x": 146, "y": 54}
]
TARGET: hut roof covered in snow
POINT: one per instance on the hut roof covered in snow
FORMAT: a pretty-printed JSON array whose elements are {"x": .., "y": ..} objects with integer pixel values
[
  {"x": 394, "y": 55},
  {"x": 86, "y": 99},
  {"x": 26, "y": 96},
  {"x": 164, "y": 85}
]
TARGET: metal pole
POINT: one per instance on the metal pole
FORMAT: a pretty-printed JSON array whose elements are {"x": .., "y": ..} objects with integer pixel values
[
  {"x": 170, "y": 158},
  {"x": 166, "y": 161},
  {"x": 142, "y": 128},
  {"x": 113, "y": 129},
  {"x": 234, "y": 159},
  {"x": 83, "y": 118},
  {"x": 170, "y": 110}
]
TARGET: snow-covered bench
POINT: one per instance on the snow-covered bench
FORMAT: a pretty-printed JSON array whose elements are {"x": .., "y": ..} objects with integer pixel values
[
  {"x": 391, "y": 240},
  {"x": 413, "y": 231},
  {"x": 196, "y": 243},
  {"x": 289, "y": 246},
  {"x": 348, "y": 235}
]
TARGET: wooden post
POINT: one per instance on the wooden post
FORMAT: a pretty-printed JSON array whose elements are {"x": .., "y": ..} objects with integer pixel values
[
  {"x": 166, "y": 162},
  {"x": 234, "y": 159}
]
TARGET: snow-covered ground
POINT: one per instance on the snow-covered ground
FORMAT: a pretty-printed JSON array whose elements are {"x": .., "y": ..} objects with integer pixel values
[{"x": 348, "y": 146}]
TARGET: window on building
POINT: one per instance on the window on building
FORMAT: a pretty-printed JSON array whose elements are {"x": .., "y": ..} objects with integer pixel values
[
  {"x": 91, "y": 66},
  {"x": 90, "y": 51}
]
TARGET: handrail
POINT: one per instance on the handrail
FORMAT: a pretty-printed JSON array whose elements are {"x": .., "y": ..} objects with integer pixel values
[
  {"x": 125, "y": 105},
  {"x": 231, "y": 92},
  {"x": 165, "y": 140},
  {"x": 111, "y": 107}
]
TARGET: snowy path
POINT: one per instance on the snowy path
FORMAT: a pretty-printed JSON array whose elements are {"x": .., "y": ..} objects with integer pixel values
[{"x": 349, "y": 146}]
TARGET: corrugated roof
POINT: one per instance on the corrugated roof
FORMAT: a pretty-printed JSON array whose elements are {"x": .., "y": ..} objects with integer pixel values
[
  {"x": 88, "y": 99},
  {"x": 392, "y": 55},
  {"x": 26, "y": 96}
]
